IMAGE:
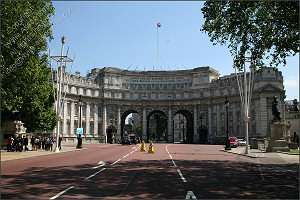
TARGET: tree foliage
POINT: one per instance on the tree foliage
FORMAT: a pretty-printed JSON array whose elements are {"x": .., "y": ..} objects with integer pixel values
[
  {"x": 263, "y": 30},
  {"x": 25, "y": 75}
]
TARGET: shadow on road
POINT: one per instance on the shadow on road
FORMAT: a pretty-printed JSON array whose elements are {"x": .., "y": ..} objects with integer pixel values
[{"x": 153, "y": 179}]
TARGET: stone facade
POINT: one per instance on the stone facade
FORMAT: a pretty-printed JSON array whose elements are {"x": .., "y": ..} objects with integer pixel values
[{"x": 111, "y": 94}]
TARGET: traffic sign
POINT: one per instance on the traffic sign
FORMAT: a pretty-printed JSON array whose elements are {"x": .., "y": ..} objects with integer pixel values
[{"x": 79, "y": 131}]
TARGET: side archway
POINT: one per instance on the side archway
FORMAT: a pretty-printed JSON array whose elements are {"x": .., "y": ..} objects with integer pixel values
[{"x": 188, "y": 129}]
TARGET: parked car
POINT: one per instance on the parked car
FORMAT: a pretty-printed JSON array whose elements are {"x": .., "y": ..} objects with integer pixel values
[
  {"x": 241, "y": 142},
  {"x": 133, "y": 139},
  {"x": 233, "y": 141},
  {"x": 126, "y": 140}
]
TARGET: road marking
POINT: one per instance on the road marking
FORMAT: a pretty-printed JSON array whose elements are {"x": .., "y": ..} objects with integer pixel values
[
  {"x": 125, "y": 156},
  {"x": 115, "y": 162},
  {"x": 54, "y": 197},
  {"x": 180, "y": 174},
  {"x": 261, "y": 175},
  {"x": 100, "y": 164},
  {"x": 174, "y": 163},
  {"x": 189, "y": 195},
  {"x": 133, "y": 147},
  {"x": 178, "y": 170},
  {"x": 95, "y": 174},
  {"x": 128, "y": 182},
  {"x": 131, "y": 152}
]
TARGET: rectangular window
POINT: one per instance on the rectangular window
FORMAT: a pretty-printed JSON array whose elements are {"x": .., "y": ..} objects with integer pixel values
[
  {"x": 68, "y": 128},
  {"x": 131, "y": 95},
  {"x": 100, "y": 94},
  {"x": 83, "y": 110},
  {"x": 112, "y": 95},
  {"x": 123, "y": 95},
  {"x": 99, "y": 110},
  {"x": 99, "y": 129},
  {"x": 91, "y": 110},
  {"x": 75, "y": 127},
  {"x": 68, "y": 109},
  {"x": 84, "y": 92},
  {"x": 91, "y": 132},
  {"x": 92, "y": 93},
  {"x": 75, "y": 110}
]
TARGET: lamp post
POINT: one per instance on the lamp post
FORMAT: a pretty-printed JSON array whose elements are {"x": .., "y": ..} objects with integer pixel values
[
  {"x": 227, "y": 143},
  {"x": 79, "y": 139}
]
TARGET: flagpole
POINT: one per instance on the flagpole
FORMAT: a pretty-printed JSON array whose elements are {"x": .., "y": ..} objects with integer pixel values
[{"x": 157, "y": 44}]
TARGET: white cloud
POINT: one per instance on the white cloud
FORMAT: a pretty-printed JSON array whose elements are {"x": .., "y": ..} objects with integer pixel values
[{"x": 291, "y": 82}]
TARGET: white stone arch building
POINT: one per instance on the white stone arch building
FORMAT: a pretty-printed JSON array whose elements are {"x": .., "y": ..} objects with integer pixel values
[{"x": 110, "y": 94}]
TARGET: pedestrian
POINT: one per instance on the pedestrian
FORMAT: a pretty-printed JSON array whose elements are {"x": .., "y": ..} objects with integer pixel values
[
  {"x": 51, "y": 141},
  {"x": 25, "y": 142},
  {"x": 19, "y": 144},
  {"x": 40, "y": 143},
  {"x": 15, "y": 143},
  {"x": 59, "y": 142},
  {"x": 32, "y": 142},
  {"x": 36, "y": 143},
  {"x": 43, "y": 143},
  {"x": 9, "y": 144}
]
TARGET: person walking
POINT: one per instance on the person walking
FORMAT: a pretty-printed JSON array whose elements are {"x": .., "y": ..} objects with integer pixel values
[
  {"x": 10, "y": 144},
  {"x": 59, "y": 142},
  {"x": 25, "y": 142},
  {"x": 51, "y": 141},
  {"x": 32, "y": 142}
]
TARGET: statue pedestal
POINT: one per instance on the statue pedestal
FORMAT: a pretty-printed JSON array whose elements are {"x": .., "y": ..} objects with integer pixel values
[{"x": 277, "y": 142}]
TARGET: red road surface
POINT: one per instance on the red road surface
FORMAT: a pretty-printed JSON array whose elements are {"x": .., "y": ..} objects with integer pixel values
[{"x": 174, "y": 171}]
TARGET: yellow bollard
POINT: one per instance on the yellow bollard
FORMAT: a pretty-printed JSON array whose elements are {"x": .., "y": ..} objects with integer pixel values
[
  {"x": 151, "y": 149},
  {"x": 143, "y": 146}
]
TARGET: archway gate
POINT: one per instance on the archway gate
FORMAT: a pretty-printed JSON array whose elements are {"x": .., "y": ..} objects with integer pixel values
[{"x": 145, "y": 110}]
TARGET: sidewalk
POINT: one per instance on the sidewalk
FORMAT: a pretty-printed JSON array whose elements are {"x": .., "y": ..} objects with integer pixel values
[
  {"x": 277, "y": 157},
  {"x": 9, "y": 156}
]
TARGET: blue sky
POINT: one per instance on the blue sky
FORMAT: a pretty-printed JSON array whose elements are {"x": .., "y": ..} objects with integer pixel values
[{"x": 124, "y": 35}]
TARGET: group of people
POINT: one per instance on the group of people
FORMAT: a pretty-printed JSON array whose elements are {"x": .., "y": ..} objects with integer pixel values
[{"x": 18, "y": 143}]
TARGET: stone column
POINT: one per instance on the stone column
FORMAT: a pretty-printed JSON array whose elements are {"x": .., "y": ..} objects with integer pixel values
[
  {"x": 95, "y": 120},
  {"x": 218, "y": 120},
  {"x": 144, "y": 136},
  {"x": 262, "y": 122},
  {"x": 210, "y": 125},
  {"x": 64, "y": 125},
  {"x": 87, "y": 120},
  {"x": 118, "y": 123},
  {"x": 234, "y": 120},
  {"x": 104, "y": 122},
  {"x": 72, "y": 113},
  {"x": 196, "y": 136},
  {"x": 170, "y": 131}
]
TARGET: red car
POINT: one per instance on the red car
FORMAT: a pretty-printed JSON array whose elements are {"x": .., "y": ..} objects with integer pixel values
[{"x": 233, "y": 141}]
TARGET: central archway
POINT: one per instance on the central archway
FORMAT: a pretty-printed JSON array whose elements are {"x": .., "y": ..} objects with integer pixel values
[{"x": 157, "y": 129}]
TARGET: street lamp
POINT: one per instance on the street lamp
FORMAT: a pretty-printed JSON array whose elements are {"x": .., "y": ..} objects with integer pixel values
[
  {"x": 79, "y": 139},
  {"x": 227, "y": 143}
]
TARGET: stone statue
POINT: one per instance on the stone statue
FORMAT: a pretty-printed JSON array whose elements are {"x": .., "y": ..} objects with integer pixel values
[{"x": 275, "y": 110}]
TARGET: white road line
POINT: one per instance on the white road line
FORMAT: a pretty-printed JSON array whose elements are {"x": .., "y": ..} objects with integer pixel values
[
  {"x": 178, "y": 170},
  {"x": 115, "y": 162},
  {"x": 95, "y": 174},
  {"x": 125, "y": 156},
  {"x": 128, "y": 182},
  {"x": 98, "y": 166},
  {"x": 131, "y": 152},
  {"x": 174, "y": 163},
  {"x": 54, "y": 197},
  {"x": 180, "y": 174},
  {"x": 261, "y": 175}
]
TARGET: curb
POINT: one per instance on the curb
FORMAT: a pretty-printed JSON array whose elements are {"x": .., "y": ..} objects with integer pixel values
[
  {"x": 250, "y": 156},
  {"x": 34, "y": 156},
  {"x": 287, "y": 153}
]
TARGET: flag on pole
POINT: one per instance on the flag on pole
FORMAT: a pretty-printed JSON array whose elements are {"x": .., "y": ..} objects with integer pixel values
[{"x": 158, "y": 25}]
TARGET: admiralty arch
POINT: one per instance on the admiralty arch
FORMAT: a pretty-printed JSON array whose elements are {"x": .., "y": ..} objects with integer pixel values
[{"x": 109, "y": 95}]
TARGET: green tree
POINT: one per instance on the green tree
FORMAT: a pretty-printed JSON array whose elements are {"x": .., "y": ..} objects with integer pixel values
[
  {"x": 263, "y": 30},
  {"x": 25, "y": 75}
]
